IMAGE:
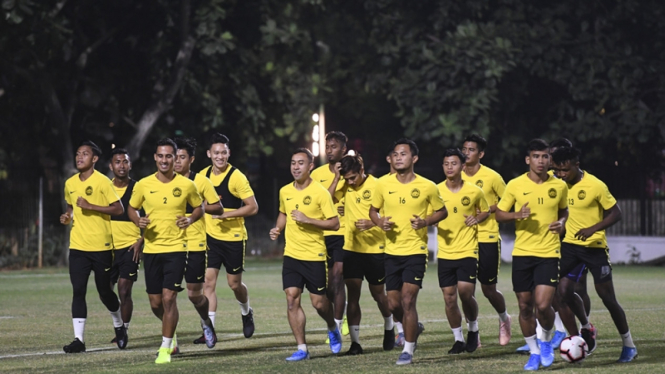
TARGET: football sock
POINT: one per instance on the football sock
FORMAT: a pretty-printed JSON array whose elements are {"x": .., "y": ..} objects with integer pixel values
[
  {"x": 388, "y": 323},
  {"x": 547, "y": 335},
  {"x": 79, "y": 328},
  {"x": 244, "y": 307},
  {"x": 211, "y": 315},
  {"x": 355, "y": 333},
  {"x": 400, "y": 328},
  {"x": 504, "y": 316},
  {"x": 117, "y": 318},
  {"x": 533, "y": 344},
  {"x": 473, "y": 326},
  {"x": 558, "y": 323},
  {"x": 302, "y": 347},
  {"x": 627, "y": 340},
  {"x": 458, "y": 334},
  {"x": 408, "y": 347},
  {"x": 166, "y": 342}
]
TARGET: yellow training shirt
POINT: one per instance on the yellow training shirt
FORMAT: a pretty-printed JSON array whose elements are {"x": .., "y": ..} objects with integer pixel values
[
  {"x": 125, "y": 233},
  {"x": 357, "y": 202},
  {"x": 323, "y": 175},
  {"x": 196, "y": 232},
  {"x": 493, "y": 186}
]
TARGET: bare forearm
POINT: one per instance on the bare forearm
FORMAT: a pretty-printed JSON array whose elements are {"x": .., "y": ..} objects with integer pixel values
[
  {"x": 504, "y": 217},
  {"x": 436, "y": 217},
  {"x": 133, "y": 215},
  {"x": 374, "y": 216},
  {"x": 215, "y": 209}
]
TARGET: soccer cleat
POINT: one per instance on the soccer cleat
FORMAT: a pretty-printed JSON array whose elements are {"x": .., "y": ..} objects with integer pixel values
[
  {"x": 298, "y": 355},
  {"x": 345, "y": 327},
  {"x": 209, "y": 334},
  {"x": 589, "y": 336},
  {"x": 121, "y": 337},
  {"x": 389, "y": 340},
  {"x": 163, "y": 356},
  {"x": 174, "y": 350},
  {"x": 335, "y": 341},
  {"x": 248, "y": 324},
  {"x": 355, "y": 350},
  {"x": 200, "y": 340},
  {"x": 471, "y": 341},
  {"x": 533, "y": 363},
  {"x": 399, "y": 340},
  {"x": 546, "y": 354},
  {"x": 405, "y": 359},
  {"x": 523, "y": 349},
  {"x": 557, "y": 338},
  {"x": 114, "y": 340},
  {"x": 504, "y": 331},
  {"x": 421, "y": 328},
  {"x": 76, "y": 346},
  {"x": 628, "y": 354},
  {"x": 458, "y": 347}
]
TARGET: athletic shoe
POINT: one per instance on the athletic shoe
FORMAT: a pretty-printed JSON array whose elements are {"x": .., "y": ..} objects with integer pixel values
[
  {"x": 248, "y": 324},
  {"x": 121, "y": 337},
  {"x": 421, "y": 328},
  {"x": 628, "y": 354},
  {"x": 355, "y": 350},
  {"x": 557, "y": 338},
  {"x": 175, "y": 350},
  {"x": 589, "y": 336},
  {"x": 546, "y": 354},
  {"x": 209, "y": 334},
  {"x": 399, "y": 340},
  {"x": 458, "y": 347},
  {"x": 405, "y": 359},
  {"x": 525, "y": 350},
  {"x": 335, "y": 341},
  {"x": 471, "y": 341},
  {"x": 200, "y": 340},
  {"x": 114, "y": 340},
  {"x": 345, "y": 327},
  {"x": 389, "y": 340},
  {"x": 298, "y": 355},
  {"x": 533, "y": 363},
  {"x": 163, "y": 356},
  {"x": 76, "y": 346},
  {"x": 504, "y": 331}
]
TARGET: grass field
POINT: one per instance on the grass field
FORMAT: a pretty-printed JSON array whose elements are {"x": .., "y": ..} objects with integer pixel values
[{"x": 35, "y": 323}]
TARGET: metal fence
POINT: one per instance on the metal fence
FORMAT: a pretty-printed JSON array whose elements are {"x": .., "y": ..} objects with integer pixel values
[{"x": 641, "y": 217}]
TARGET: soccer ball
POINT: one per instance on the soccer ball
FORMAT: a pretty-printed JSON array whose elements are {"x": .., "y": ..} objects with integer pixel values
[{"x": 573, "y": 349}]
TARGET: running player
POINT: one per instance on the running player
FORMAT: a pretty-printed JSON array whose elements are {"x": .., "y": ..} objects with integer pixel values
[
  {"x": 305, "y": 210},
  {"x": 405, "y": 198},
  {"x": 91, "y": 201},
  {"x": 164, "y": 197},
  {"x": 592, "y": 210},
  {"x": 226, "y": 234},
  {"x": 458, "y": 248},
  {"x": 540, "y": 203}
]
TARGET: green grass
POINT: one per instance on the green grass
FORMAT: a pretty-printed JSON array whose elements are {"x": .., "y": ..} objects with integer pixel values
[{"x": 35, "y": 322}]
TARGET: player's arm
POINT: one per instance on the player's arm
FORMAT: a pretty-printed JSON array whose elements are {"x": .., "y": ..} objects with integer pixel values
[
  {"x": 503, "y": 216},
  {"x": 183, "y": 222},
  {"x": 559, "y": 225},
  {"x": 135, "y": 217},
  {"x": 279, "y": 226},
  {"x": 331, "y": 223},
  {"x": 436, "y": 217},
  {"x": 250, "y": 208},
  {"x": 611, "y": 216},
  {"x": 214, "y": 209},
  {"x": 333, "y": 186},
  {"x": 66, "y": 217},
  {"x": 383, "y": 222},
  {"x": 112, "y": 210}
]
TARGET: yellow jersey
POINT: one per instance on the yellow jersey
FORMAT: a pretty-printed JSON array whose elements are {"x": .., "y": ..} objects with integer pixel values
[
  {"x": 162, "y": 202},
  {"x": 401, "y": 202},
  {"x": 125, "y": 232},
  {"x": 305, "y": 242},
  {"x": 196, "y": 232},
  {"x": 323, "y": 175},
  {"x": 493, "y": 186},
  {"x": 587, "y": 201},
  {"x": 456, "y": 240},
  {"x": 357, "y": 201},
  {"x": 532, "y": 235}
]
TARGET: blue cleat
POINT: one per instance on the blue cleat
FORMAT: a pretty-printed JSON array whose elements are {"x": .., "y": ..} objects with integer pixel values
[
  {"x": 405, "y": 359},
  {"x": 523, "y": 349},
  {"x": 628, "y": 354},
  {"x": 335, "y": 341},
  {"x": 298, "y": 355},
  {"x": 546, "y": 354},
  {"x": 557, "y": 338},
  {"x": 399, "y": 340},
  {"x": 533, "y": 363}
]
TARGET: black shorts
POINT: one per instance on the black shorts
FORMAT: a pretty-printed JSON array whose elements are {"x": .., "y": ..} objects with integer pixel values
[
  {"x": 404, "y": 269},
  {"x": 164, "y": 270},
  {"x": 596, "y": 259},
  {"x": 124, "y": 266},
  {"x": 576, "y": 274},
  {"x": 531, "y": 271},
  {"x": 335, "y": 248},
  {"x": 453, "y": 271},
  {"x": 82, "y": 263},
  {"x": 298, "y": 273},
  {"x": 365, "y": 265},
  {"x": 489, "y": 262},
  {"x": 230, "y": 254},
  {"x": 195, "y": 270}
]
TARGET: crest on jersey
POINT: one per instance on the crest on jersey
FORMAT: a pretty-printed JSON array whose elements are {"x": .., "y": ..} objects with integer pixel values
[
  {"x": 581, "y": 195},
  {"x": 551, "y": 193},
  {"x": 466, "y": 201},
  {"x": 177, "y": 192},
  {"x": 479, "y": 183},
  {"x": 88, "y": 190},
  {"x": 367, "y": 194},
  {"x": 307, "y": 200},
  {"x": 415, "y": 193}
]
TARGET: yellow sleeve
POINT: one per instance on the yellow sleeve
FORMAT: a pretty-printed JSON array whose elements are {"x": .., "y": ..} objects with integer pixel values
[
  {"x": 327, "y": 206},
  {"x": 434, "y": 197},
  {"x": 499, "y": 186},
  {"x": 605, "y": 197},
  {"x": 136, "y": 201},
  {"x": 208, "y": 192},
  {"x": 193, "y": 197},
  {"x": 109, "y": 192},
  {"x": 377, "y": 201},
  {"x": 508, "y": 199},
  {"x": 239, "y": 185},
  {"x": 563, "y": 203},
  {"x": 482, "y": 202},
  {"x": 281, "y": 202},
  {"x": 68, "y": 196}
]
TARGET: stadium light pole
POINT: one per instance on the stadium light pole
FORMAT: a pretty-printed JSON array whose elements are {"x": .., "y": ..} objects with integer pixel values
[{"x": 319, "y": 135}]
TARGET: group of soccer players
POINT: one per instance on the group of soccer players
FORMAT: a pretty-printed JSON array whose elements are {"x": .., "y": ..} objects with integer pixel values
[{"x": 342, "y": 226}]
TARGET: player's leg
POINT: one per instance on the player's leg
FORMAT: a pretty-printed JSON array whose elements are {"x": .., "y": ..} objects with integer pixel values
[
  {"x": 466, "y": 288},
  {"x": 79, "y": 272},
  {"x": 215, "y": 261},
  {"x": 546, "y": 280},
  {"x": 102, "y": 263},
  {"x": 293, "y": 283},
  {"x": 489, "y": 262},
  {"x": 127, "y": 275},
  {"x": 235, "y": 265},
  {"x": 354, "y": 314},
  {"x": 447, "y": 271},
  {"x": 375, "y": 272},
  {"x": 195, "y": 278},
  {"x": 523, "y": 285},
  {"x": 173, "y": 268},
  {"x": 336, "y": 290},
  {"x": 316, "y": 280}
]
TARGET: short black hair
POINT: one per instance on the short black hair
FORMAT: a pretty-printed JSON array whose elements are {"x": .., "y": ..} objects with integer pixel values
[
  {"x": 188, "y": 144},
  {"x": 455, "y": 152},
  {"x": 351, "y": 163},
  {"x": 219, "y": 138},
  {"x": 479, "y": 140},
  {"x": 339, "y": 136},
  {"x": 536, "y": 145},
  {"x": 306, "y": 151},
  {"x": 119, "y": 151},
  {"x": 95, "y": 148},
  {"x": 561, "y": 142},
  {"x": 167, "y": 142},
  {"x": 412, "y": 145},
  {"x": 564, "y": 154}
]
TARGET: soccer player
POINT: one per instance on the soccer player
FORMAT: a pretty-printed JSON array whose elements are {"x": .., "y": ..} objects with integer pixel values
[
  {"x": 540, "y": 204},
  {"x": 329, "y": 176},
  {"x": 127, "y": 239},
  {"x": 226, "y": 234},
  {"x": 458, "y": 248},
  {"x": 405, "y": 198},
  {"x": 196, "y": 236},
  {"x": 305, "y": 211},
  {"x": 91, "y": 201},
  {"x": 364, "y": 244},
  {"x": 164, "y": 197},
  {"x": 592, "y": 210},
  {"x": 489, "y": 240}
]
